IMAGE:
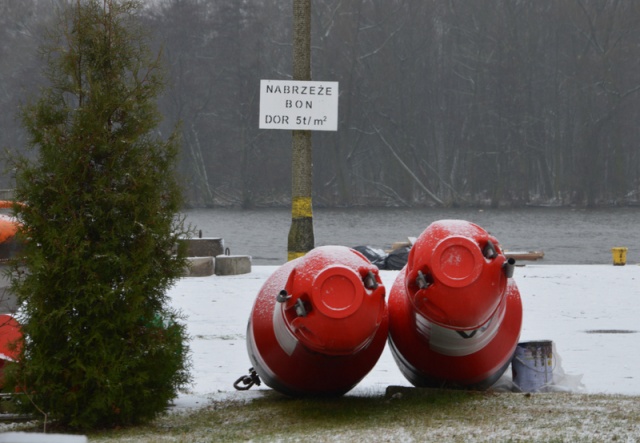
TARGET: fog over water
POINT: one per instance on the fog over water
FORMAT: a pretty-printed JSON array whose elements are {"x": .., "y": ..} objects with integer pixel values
[{"x": 565, "y": 235}]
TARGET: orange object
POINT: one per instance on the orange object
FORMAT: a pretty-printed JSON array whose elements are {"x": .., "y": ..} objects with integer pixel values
[
  {"x": 8, "y": 225},
  {"x": 8, "y": 228}
]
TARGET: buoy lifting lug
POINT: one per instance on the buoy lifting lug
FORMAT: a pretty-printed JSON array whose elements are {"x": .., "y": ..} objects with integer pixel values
[
  {"x": 489, "y": 250},
  {"x": 301, "y": 310},
  {"x": 370, "y": 281},
  {"x": 421, "y": 281}
]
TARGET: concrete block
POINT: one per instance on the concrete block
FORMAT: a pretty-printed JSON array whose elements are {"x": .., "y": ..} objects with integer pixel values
[
  {"x": 7, "y": 194},
  {"x": 199, "y": 267},
  {"x": 204, "y": 247},
  {"x": 8, "y": 301},
  {"x": 233, "y": 264}
]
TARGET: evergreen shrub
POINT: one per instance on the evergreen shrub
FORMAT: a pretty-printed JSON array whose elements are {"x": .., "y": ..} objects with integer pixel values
[{"x": 102, "y": 346}]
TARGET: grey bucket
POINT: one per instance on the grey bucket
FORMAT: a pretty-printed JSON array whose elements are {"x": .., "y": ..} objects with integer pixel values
[{"x": 532, "y": 365}]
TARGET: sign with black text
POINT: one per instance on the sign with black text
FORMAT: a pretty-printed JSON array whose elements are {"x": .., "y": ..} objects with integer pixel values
[{"x": 298, "y": 105}]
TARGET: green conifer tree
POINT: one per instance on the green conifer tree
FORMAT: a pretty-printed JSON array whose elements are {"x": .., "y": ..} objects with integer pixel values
[{"x": 102, "y": 346}]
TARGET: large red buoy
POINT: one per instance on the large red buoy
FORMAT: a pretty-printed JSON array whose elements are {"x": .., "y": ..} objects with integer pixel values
[
  {"x": 319, "y": 323},
  {"x": 10, "y": 342},
  {"x": 455, "y": 313}
]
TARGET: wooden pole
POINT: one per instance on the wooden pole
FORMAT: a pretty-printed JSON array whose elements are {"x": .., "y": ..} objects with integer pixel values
[{"x": 301, "y": 238}]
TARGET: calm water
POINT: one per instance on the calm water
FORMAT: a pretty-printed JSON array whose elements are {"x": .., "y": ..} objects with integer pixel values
[{"x": 567, "y": 236}]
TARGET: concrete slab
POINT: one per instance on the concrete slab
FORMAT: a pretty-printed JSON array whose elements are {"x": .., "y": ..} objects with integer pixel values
[
  {"x": 204, "y": 247},
  {"x": 232, "y": 264},
  {"x": 8, "y": 302},
  {"x": 200, "y": 267}
]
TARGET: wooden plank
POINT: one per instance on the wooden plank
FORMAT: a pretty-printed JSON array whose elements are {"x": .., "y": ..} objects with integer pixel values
[{"x": 524, "y": 255}]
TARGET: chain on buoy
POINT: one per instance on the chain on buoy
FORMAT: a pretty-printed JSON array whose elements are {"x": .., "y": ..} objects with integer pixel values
[{"x": 245, "y": 382}]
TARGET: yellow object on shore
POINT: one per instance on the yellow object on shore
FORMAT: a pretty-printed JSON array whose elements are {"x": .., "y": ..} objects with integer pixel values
[{"x": 619, "y": 256}]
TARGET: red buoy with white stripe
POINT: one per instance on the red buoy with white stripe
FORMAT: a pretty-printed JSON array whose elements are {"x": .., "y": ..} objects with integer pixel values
[
  {"x": 319, "y": 323},
  {"x": 455, "y": 313},
  {"x": 10, "y": 342}
]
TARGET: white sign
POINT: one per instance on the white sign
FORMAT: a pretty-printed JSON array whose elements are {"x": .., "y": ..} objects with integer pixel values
[{"x": 298, "y": 105}]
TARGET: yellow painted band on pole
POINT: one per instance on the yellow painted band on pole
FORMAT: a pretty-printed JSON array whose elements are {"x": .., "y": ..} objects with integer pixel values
[
  {"x": 294, "y": 255},
  {"x": 301, "y": 207}
]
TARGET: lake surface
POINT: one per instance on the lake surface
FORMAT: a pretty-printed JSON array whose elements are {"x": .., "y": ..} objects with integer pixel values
[{"x": 565, "y": 235}]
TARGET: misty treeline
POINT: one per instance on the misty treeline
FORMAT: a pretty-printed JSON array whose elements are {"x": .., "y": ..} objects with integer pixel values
[{"x": 442, "y": 102}]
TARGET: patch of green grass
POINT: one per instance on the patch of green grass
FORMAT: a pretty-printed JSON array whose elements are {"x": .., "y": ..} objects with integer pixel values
[
  {"x": 276, "y": 417},
  {"x": 360, "y": 412},
  {"x": 405, "y": 414}
]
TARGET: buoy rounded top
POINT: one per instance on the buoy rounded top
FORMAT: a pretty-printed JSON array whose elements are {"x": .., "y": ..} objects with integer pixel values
[
  {"x": 457, "y": 261},
  {"x": 338, "y": 292}
]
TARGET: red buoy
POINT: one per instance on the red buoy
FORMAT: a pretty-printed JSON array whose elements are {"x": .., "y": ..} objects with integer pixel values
[
  {"x": 10, "y": 341},
  {"x": 455, "y": 313},
  {"x": 319, "y": 323}
]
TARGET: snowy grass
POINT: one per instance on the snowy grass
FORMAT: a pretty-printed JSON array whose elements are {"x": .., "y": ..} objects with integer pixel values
[
  {"x": 403, "y": 415},
  {"x": 590, "y": 312}
]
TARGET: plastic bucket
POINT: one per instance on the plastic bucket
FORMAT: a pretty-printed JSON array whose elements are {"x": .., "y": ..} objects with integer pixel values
[
  {"x": 532, "y": 365},
  {"x": 619, "y": 256}
]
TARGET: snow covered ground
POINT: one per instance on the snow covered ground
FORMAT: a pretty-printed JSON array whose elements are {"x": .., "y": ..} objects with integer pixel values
[{"x": 590, "y": 312}]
